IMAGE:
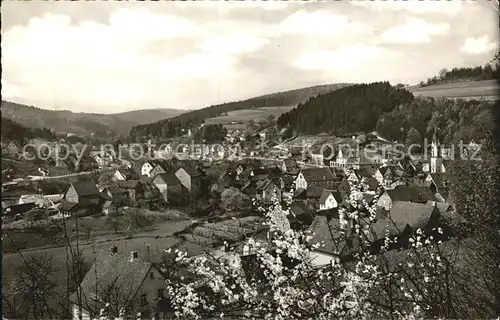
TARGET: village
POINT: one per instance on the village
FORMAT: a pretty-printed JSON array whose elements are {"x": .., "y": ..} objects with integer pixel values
[{"x": 217, "y": 200}]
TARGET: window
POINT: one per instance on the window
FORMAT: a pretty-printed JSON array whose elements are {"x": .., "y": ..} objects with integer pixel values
[{"x": 152, "y": 275}]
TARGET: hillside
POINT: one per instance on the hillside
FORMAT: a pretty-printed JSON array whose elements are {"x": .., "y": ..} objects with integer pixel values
[
  {"x": 174, "y": 126},
  {"x": 83, "y": 124},
  {"x": 352, "y": 109}
]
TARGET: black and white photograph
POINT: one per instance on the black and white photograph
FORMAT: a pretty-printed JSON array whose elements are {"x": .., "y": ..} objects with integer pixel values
[{"x": 251, "y": 159}]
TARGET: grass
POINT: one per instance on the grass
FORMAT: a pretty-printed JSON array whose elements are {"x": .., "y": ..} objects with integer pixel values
[
  {"x": 257, "y": 114},
  {"x": 487, "y": 89}
]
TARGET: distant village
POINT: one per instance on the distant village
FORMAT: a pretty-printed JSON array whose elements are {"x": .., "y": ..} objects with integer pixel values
[{"x": 410, "y": 193}]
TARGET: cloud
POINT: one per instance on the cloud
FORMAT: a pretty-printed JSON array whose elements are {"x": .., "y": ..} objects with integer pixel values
[
  {"x": 194, "y": 66},
  {"x": 343, "y": 58},
  {"x": 478, "y": 45},
  {"x": 414, "y": 31},
  {"x": 416, "y": 7},
  {"x": 317, "y": 23},
  {"x": 234, "y": 44}
]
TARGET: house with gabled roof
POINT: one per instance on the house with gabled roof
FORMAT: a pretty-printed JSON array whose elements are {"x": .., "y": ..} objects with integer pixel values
[
  {"x": 315, "y": 177},
  {"x": 290, "y": 166},
  {"x": 118, "y": 196},
  {"x": 406, "y": 194},
  {"x": 124, "y": 174},
  {"x": 329, "y": 199},
  {"x": 134, "y": 188},
  {"x": 168, "y": 184},
  {"x": 136, "y": 285},
  {"x": 190, "y": 177},
  {"x": 85, "y": 193},
  {"x": 440, "y": 183}
]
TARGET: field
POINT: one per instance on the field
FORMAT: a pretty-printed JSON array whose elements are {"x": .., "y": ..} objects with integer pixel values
[
  {"x": 257, "y": 114},
  {"x": 486, "y": 89}
]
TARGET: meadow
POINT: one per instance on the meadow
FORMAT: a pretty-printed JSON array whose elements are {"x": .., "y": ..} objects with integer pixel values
[
  {"x": 486, "y": 89},
  {"x": 256, "y": 114}
]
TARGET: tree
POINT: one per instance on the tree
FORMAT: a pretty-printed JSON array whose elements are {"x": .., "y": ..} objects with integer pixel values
[
  {"x": 413, "y": 137},
  {"x": 487, "y": 72},
  {"x": 233, "y": 199},
  {"x": 34, "y": 287},
  {"x": 443, "y": 74}
]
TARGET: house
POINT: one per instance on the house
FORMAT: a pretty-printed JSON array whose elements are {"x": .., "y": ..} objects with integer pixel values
[
  {"x": 440, "y": 184},
  {"x": 268, "y": 192},
  {"x": 329, "y": 199},
  {"x": 301, "y": 215},
  {"x": 12, "y": 210},
  {"x": 130, "y": 283},
  {"x": 134, "y": 188},
  {"x": 160, "y": 166},
  {"x": 315, "y": 177},
  {"x": 406, "y": 194},
  {"x": 168, "y": 184},
  {"x": 190, "y": 178},
  {"x": 85, "y": 193},
  {"x": 118, "y": 195},
  {"x": 146, "y": 167},
  {"x": 290, "y": 166},
  {"x": 124, "y": 174}
]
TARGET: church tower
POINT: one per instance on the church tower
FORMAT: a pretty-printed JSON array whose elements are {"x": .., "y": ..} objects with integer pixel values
[{"x": 436, "y": 159}]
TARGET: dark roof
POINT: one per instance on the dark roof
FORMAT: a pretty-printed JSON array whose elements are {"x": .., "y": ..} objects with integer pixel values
[
  {"x": 113, "y": 272},
  {"x": 68, "y": 206},
  {"x": 128, "y": 173},
  {"x": 391, "y": 170},
  {"x": 314, "y": 192},
  {"x": 290, "y": 164},
  {"x": 116, "y": 190},
  {"x": 416, "y": 215},
  {"x": 262, "y": 185},
  {"x": 411, "y": 194},
  {"x": 323, "y": 229},
  {"x": 168, "y": 177},
  {"x": 85, "y": 188},
  {"x": 129, "y": 184},
  {"x": 192, "y": 171},
  {"x": 317, "y": 174}
]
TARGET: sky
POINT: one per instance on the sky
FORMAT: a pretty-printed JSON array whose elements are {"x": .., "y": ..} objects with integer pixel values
[{"x": 110, "y": 56}]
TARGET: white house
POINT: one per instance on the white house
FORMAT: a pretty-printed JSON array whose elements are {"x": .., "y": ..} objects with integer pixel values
[
  {"x": 327, "y": 200},
  {"x": 146, "y": 168}
]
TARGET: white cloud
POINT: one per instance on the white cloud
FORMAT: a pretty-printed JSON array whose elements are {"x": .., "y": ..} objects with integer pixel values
[
  {"x": 478, "y": 45},
  {"x": 343, "y": 58},
  {"x": 414, "y": 31},
  {"x": 318, "y": 23},
  {"x": 416, "y": 7},
  {"x": 232, "y": 44}
]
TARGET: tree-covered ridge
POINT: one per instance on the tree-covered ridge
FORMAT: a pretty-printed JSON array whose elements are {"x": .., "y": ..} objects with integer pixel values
[
  {"x": 453, "y": 119},
  {"x": 174, "y": 126},
  {"x": 352, "y": 109},
  {"x": 13, "y": 131},
  {"x": 487, "y": 72}
]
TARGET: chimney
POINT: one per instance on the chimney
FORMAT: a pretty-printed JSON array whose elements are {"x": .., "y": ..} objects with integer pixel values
[
  {"x": 114, "y": 250},
  {"x": 133, "y": 255}
]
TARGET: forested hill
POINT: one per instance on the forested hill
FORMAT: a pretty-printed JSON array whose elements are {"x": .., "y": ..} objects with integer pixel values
[
  {"x": 351, "y": 109},
  {"x": 14, "y": 131},
  {"x": 83, "y": 124},
  {"x": 173, "y": 126}
]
